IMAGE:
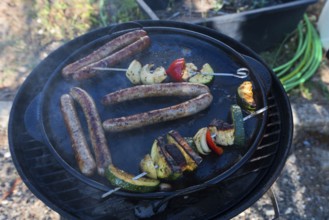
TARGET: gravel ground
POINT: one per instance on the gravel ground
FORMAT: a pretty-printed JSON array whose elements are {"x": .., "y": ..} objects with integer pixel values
[{"x": 302, "y": 189}]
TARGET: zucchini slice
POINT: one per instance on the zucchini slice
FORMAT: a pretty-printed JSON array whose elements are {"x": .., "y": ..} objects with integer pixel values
[
  {"x": 125, "y": 180},
  {"x": 167, "y": 168},
  {"x": 147, "y": 165},
  {"x": 191, "y": 157},
  {"x": 239, "y": 133},
  {"x": 245, "y": 96},
  {"x": 201, "y": 77}
]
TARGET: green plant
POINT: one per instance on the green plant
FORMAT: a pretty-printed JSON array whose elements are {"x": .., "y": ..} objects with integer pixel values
[
  {"x": 119, "y": 11},
  {"x": 63, "y": 19},
  {"x": 218, "y": 5},
  {"x": 305, "y": 91}
]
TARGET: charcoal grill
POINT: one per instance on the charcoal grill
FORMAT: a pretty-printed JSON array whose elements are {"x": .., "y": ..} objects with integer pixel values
[{"x": 72, "y": 198}]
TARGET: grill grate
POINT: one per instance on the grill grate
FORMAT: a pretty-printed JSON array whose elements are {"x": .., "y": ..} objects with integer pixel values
[{"x": 265, "y": 152}]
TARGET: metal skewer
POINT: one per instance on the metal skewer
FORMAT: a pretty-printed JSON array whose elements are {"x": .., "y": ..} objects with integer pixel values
[
  {"x": 118, "y": 188},
  {"x": 259, "y": 111},
  {"x": 110, "y": 69},
  {"x": 240, "y": 73}
]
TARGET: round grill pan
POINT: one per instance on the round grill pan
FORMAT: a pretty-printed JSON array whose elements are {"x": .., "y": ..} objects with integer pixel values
[{"x": 128, "y": 148}]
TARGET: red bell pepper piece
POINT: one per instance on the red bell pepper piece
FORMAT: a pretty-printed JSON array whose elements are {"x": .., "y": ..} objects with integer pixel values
[
  {"x": 175, "y": 70},
  {"x": 218, "y": 150}
]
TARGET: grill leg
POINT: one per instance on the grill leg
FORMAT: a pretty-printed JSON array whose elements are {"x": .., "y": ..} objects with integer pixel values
[{"x": 275, "y": 204}]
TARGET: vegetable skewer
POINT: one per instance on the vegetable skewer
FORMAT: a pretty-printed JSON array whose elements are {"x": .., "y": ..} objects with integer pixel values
[
  {"x": 240, "y": 73},
  {"x": 143, "y": 174},
  {"x": 259, "y": 111}
]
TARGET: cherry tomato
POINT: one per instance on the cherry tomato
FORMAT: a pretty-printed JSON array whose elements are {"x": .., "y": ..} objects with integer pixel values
[
  {"x": 175, "y": 70},
  {"x": 212, "y": 145}
]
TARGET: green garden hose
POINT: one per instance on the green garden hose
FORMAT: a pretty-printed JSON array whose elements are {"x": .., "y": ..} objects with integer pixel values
[{"x": 306, "y": 59}]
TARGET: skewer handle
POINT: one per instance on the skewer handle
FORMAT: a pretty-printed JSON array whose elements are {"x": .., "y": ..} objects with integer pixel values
[
  {"x": 110, "y": 69},
  {"x": 259, "y": 111},
  {"x": 118, "y": 188},
  {"x": 110, "y": 192}
]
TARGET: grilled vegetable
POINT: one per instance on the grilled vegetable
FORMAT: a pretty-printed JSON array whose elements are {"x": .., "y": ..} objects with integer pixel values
[
  {"x": 180, "y": 71},
  {"x": 191, "y": 157},
  {"x": 224, "y": 132},
  {"x": 203, "y": 77},
  {"x": 245, "y": 96},
  {"x": 147, "y": 165},
  {"x": 167, "y": 167},
  {"x": 189, "y": 71},
  {"x": 191, "y": 143},
  {"x": 239, "y": 133},
  {"x": 212, "y": 145},
  {"x": 197, "y": 143},
  {"x": 125, "y": 180},
  {"x": 175, "y": 70},
  {"x": 201, "y": 142},
  {"x": 157, "y": 76},
  {"x": 134, "y": 72},
  {"x": 176, "y": 169},
  {"x": 177, "y": 155}
]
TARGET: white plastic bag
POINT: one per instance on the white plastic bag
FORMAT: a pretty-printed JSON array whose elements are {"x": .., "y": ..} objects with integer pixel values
[{"x": 323, "y": 26}]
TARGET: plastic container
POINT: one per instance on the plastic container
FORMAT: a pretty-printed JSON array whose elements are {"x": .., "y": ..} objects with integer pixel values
[
  {"x": 260, "y": 29},
  {"x": 323, "y": 26}
]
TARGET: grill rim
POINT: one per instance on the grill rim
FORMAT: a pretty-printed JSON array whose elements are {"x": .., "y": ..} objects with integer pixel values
[
  {"x": 248, "y": 201},
  {"x": 155, "y": 195}
]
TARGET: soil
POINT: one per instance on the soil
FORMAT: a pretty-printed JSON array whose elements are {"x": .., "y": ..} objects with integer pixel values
[
  {"x": 193, "y": 10},
  {"x": 22, "y": 49}
]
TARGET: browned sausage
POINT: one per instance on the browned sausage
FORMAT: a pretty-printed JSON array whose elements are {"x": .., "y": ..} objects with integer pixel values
[
  {"x": 96, "y": 132},
  {"x": 155, "y": 90},
  {"x": 80, "y": 146},
  {"x": 181, "y": 110},
  {"x": 88, "y": 71},
  {"x": 103, "y": 51}
]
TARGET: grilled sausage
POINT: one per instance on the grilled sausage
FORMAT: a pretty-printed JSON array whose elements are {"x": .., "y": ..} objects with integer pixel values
[
  {"x": 88, "y": 71},
  {"x": 96, "y": 132},
  {"x": 103, "y": 51},
  {"x": 80, "y": 146},
  {"x": 181, "y": 110},
  {"x": 155, "y": 90}
]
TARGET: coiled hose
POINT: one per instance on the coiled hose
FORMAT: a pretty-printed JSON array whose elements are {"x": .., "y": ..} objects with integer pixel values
[{"x": 306, "y": 59}]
